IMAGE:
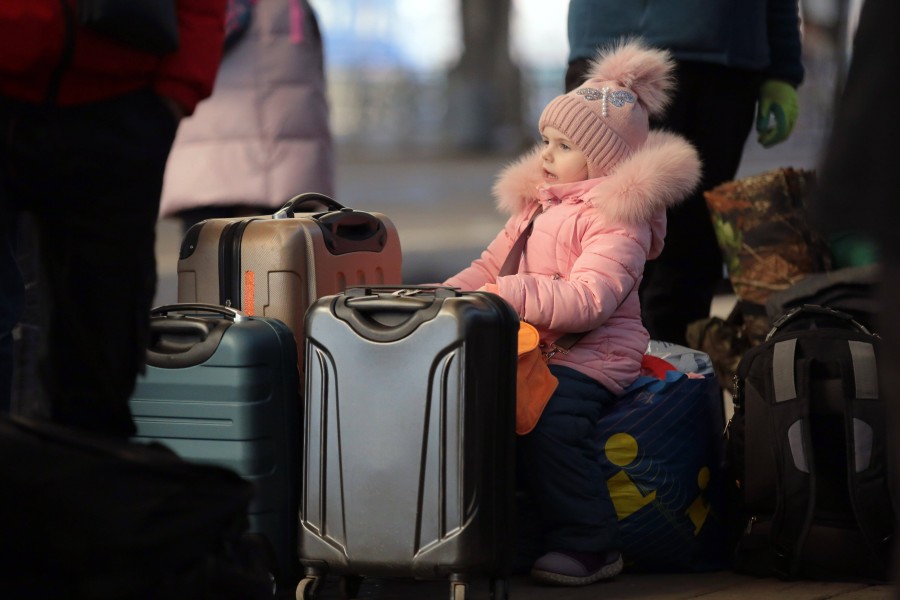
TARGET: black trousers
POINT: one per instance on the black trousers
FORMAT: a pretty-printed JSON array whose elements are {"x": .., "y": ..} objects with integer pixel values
[
  {"x": 558, "y": 466},
  {"x": 91, "y": 177},
  {"x": 713, "y": 107}
]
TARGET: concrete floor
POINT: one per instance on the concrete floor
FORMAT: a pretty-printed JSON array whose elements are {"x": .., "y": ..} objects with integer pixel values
[{"x": 722, "y": 585}]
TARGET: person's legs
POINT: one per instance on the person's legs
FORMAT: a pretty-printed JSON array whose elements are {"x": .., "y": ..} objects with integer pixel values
[
  {"x": 561, "y": 469},
  {"x": 96, "y": 213},
  {"x": 11, "y": 295},
  {"x": 576, "y": 73},
  {"x": 11, "y": 286},
  {"x": 713, "y": 108},
  {"x": 27, "y": 392}
]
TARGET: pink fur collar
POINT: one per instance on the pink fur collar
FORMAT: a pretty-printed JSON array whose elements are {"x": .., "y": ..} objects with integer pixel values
[{"x": 660, "y": 174}]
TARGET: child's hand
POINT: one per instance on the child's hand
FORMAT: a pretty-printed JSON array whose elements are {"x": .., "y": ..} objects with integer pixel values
[{"x": 490, "y": 287}]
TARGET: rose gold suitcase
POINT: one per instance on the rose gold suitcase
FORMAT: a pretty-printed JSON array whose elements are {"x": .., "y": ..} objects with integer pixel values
[{"x": 276, "y": 266}]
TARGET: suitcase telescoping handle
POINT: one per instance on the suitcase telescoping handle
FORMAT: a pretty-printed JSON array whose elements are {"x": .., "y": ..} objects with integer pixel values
[{"x": 306, "y": 203}]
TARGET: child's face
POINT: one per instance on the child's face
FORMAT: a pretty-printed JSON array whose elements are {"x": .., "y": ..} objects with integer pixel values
[{"x": 561, "y": 160}]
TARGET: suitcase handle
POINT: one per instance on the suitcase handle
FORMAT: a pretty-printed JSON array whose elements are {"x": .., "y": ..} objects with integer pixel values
[
  {"x": 307, "y": 202},
  {"x": 374, "y": 303},
  {"x": 225, "y": 311},
  {"x": 347, "y": 230},
  {"x": 185, "y": 341},
  {"x": 385, "y": 317},
  {"x": 169, "y": 336},
  {"x": 439, "y": 291}
]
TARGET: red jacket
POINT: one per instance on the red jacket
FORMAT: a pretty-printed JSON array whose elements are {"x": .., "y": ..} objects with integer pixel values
[{"x": 34, "y": 53}]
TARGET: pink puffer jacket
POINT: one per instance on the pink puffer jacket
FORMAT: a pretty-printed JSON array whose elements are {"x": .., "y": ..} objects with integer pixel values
[{"x": 585, "y": 258}]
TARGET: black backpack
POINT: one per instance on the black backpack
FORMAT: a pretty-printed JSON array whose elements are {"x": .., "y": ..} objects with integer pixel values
[{"x": 807, "y": 450}]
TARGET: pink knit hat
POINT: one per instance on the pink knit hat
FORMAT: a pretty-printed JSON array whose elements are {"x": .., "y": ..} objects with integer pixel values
[{"x": 607, "y": 117}]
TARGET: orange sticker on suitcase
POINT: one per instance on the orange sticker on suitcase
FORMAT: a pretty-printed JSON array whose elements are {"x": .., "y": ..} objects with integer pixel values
[{"x": 249, "y": 292}]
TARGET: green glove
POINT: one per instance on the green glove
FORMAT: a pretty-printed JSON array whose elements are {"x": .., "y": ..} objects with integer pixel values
[{"x": 777, "y": 99}]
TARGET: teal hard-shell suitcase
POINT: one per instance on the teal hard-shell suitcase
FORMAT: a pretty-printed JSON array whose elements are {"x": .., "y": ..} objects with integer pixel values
[{"x": 221, "y": 388}]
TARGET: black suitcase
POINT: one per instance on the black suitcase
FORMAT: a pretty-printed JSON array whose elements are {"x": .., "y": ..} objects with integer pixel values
[
  {"x": 408, "y": 458},
  {"x": 221, "y": 388}
]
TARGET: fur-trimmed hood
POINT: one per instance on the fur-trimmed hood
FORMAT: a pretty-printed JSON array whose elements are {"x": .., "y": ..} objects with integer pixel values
[{"x": 660, "y": 174}]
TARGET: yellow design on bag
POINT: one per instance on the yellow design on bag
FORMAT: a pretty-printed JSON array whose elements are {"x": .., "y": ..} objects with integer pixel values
[
  {"x": 628, "y": 498},
  {"x": 621, "y": 449},
  {"x": 699, "y": 508}
]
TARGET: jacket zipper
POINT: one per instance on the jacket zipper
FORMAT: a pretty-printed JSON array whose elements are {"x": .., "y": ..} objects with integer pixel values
[{"x": 65, "y": 60}]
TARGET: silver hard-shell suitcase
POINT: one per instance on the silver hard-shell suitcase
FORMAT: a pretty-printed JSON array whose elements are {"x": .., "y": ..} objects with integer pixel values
[{"x": 409, "y": 433}]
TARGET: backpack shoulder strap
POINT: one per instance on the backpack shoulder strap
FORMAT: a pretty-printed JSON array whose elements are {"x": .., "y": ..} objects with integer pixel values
[
  {"x": 863, "y": 415},
  {"x": 794, "y": 459},
  {"x": 864, "y": 418}
]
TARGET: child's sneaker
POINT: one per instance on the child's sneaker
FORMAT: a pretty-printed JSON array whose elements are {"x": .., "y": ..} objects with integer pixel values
[{"x": 569, "y": 567}]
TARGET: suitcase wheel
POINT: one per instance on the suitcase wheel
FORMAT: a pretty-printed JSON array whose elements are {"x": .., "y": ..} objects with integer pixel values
[
  {"x": 457, "y": 590},
  {"x": 349, "y": 586},
  {"x": 499, "y": 589},
  {"x": 308, "y": 588}
]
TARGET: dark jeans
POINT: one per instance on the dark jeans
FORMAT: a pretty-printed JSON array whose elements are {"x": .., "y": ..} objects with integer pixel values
[
  {"x": 91, "y": 178},
  {"x": 713, "y": 107},
  {"x": 12, "y": 293},
  {"x": 27, "y": 394},
  {"x": 567, "y": 504}
]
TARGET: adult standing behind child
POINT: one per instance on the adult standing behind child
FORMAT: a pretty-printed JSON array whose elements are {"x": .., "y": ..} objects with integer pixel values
[
  {"x": 734, "y": 61},
  {"x": 263, "y": 136},
  {"x": 597, "y": 190}
]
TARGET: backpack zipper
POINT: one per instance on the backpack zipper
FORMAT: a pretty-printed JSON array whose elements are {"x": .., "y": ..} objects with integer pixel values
[{"x": 737, "y": 392}]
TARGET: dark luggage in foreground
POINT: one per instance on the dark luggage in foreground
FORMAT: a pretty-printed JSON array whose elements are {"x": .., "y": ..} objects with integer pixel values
[
  {"x": 276, "y": 266},
  {"x": 408, "y": 461},
  {"x": 90, "y": 518},
  {"x": 808, "y": 448},
  {"x": 222, "y": 388}
]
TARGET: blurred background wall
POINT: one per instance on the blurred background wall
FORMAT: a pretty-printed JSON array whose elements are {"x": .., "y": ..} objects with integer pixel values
[
  {"x": 460, "y": 76},
  {"x": 430, "y": 98}
]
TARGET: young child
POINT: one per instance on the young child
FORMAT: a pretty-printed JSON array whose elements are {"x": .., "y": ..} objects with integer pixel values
[{"x": 599, "y": 185}]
